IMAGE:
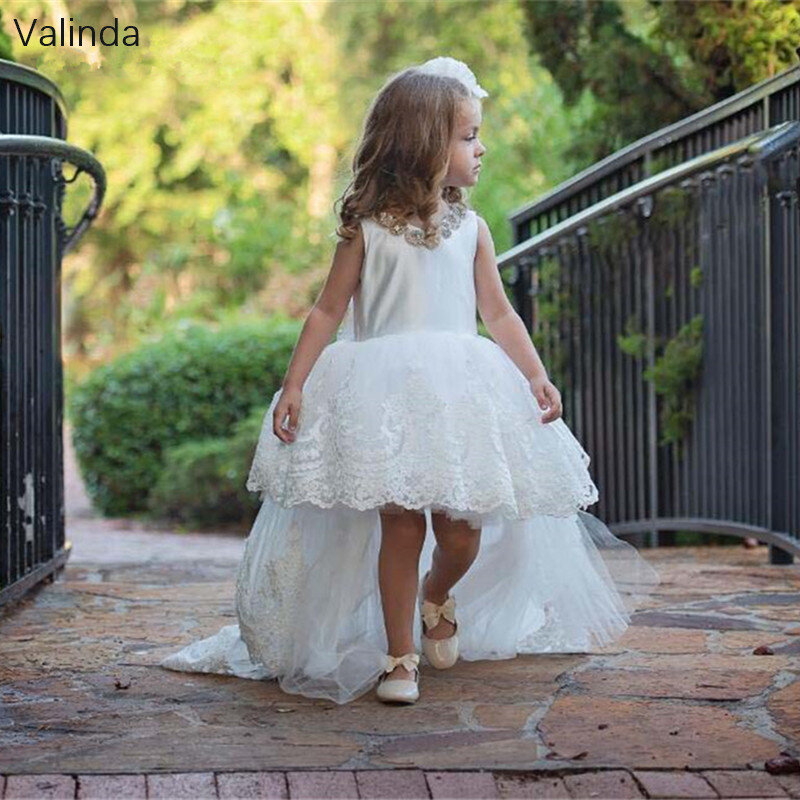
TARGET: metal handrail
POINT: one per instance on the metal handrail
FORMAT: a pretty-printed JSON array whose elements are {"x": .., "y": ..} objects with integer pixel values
[
  {"x": 762, "y": 142},
  {"x": 48, "y": 147},
  {"x": 19, "y": 73},
  {"x": 653, "y": 141},
  {"x": 740, "y": 235}
]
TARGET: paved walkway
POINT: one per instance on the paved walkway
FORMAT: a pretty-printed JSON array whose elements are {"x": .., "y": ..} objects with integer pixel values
[
  {"x": 680, "y": 706},
  {"x": 409, "y": 784}
]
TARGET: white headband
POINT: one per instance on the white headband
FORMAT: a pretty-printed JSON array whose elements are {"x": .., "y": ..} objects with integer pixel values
[{"x": 453, "y": 68}]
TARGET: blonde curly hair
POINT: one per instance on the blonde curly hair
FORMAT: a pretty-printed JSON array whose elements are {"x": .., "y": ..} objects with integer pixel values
[{"x": 403, "y": 152}]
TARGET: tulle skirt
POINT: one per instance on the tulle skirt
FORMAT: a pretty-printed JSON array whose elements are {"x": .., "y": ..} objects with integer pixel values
[
  {"x": 438, "y": 421},
  {"x": 309, "y": 607}
]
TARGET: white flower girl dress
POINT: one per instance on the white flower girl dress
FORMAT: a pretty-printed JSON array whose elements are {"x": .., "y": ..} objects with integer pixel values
[{"x": 411, "y": 406}]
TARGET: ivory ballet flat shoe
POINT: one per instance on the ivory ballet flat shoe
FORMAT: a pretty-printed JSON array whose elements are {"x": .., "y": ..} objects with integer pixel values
[
  {"x": 399, "y": 690},
  {"x": 441, "y": 653}
]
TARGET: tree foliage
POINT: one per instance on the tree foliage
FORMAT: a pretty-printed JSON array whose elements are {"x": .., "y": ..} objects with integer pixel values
[
  {"x": 5, "y": 41},
  {"x": 641, "y": 66},
  {"x": 226, "y": 138},
  {"x": 228, "y": 134}
]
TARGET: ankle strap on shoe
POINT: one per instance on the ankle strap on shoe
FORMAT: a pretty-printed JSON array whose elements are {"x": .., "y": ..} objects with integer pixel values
[
  {"x": 408, "y": 660},
  {"x": 431, "y": 613}
]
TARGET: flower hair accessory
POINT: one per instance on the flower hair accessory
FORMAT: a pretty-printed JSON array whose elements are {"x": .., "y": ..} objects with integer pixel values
[{"x": 453, "y": 68}]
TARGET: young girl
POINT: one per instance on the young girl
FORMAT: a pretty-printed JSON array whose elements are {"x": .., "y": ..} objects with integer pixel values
[{"x": 409, "y": 421}]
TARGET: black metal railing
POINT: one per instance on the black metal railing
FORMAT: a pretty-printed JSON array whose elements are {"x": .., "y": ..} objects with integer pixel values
[
  {"x": 666, "y": 313},
  {"x": 33, "y": 239},
  {"x": 755, "y": 109}
]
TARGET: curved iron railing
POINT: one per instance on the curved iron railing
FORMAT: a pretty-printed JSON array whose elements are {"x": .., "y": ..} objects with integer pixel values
[
  {"x": 762, "y": 142},
  {"x": 57, "y": 153},
  {"x": 755, "y": 109},
  {"x": 702, "y": 256},
  {"x": 33, "y": 239}
]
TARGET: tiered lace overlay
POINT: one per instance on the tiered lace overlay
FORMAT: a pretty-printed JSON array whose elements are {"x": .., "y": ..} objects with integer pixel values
[{"x": 419, "y": 419}]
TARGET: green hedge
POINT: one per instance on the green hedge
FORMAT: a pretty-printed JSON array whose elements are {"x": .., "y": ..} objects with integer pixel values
[
  {"x": 202, "y": 483},
  {"x": 194, "y": 384}
]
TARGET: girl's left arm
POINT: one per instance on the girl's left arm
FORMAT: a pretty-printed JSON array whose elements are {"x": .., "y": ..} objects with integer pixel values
[{"x": 507, "y": 328}]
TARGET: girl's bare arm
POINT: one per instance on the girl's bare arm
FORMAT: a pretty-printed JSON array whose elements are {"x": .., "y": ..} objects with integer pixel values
[
  {"x": 328, "y": 310},
  {"x": 501, "y": 320},
  {"x": 507, "y": 328}
]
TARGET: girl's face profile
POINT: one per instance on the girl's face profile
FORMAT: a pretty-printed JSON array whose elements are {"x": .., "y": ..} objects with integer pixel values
[{"x": 466, "y": 148}]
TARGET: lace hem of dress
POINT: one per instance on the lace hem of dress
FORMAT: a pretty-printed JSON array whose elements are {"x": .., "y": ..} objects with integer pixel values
[
  {"x": 478, "y": 447},
  {"x": 505, "y": 463}
]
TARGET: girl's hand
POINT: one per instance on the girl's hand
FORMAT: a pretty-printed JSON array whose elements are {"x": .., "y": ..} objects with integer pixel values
[
  {"x": 288, "y": 404},
  {"x": 547, "y": 395}
]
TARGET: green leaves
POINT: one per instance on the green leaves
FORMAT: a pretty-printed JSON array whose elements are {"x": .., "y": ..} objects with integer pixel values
[
  {"x": 195, "y": 384},
  {"x": 5, "y": 41}
]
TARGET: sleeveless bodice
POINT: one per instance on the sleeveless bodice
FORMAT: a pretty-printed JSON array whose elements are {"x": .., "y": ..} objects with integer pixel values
[{"x": 407, "y": 287}]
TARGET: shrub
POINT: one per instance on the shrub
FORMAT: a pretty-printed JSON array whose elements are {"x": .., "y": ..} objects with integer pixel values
[
  {"x": 192, "y": 385},
  {"x": 202, "y": 483}
]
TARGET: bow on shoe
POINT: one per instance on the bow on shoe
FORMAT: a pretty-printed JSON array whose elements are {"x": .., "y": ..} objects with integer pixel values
[
  {"x": 409, "y": 660},
  {"x": 431, "y": 613}
]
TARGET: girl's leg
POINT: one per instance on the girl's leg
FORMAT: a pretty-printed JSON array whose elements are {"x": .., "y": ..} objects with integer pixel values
[
  {"x": 402, "y": 538},
  {"x": 456, "y": 548}
]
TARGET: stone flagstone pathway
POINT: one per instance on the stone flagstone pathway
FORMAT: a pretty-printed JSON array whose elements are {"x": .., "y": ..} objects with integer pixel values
[{"x": 680, "y": 706}]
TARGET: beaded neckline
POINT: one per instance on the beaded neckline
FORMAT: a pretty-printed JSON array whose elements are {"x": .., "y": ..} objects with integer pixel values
[{"x": 415, "y": 235}]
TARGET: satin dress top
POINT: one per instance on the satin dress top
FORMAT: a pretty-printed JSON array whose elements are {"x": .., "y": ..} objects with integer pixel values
[{"x": 406, "y": 287}]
